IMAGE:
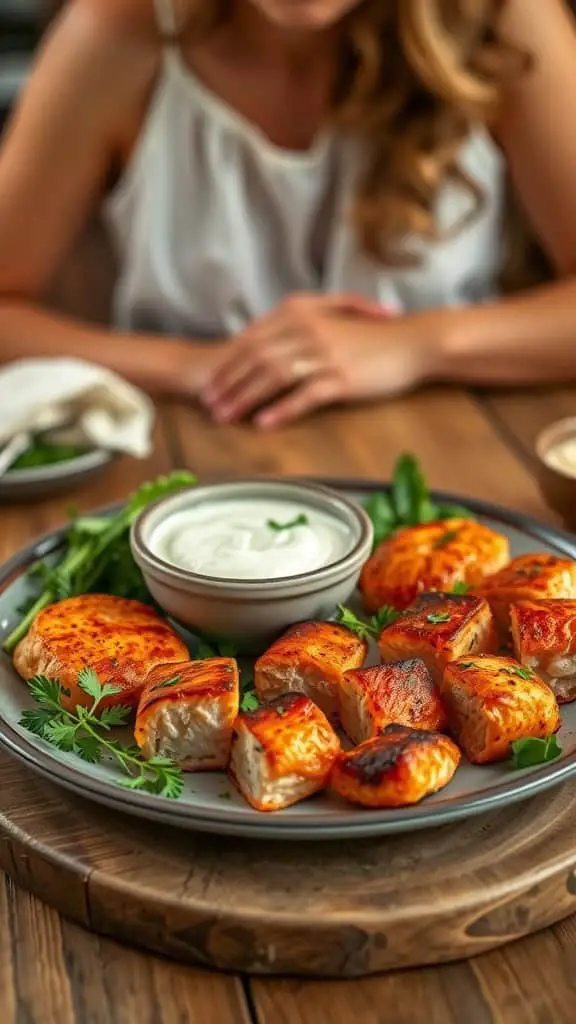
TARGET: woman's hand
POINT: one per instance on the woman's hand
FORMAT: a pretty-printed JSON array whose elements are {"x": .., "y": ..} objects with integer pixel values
[{"x": 313, "y": 351}]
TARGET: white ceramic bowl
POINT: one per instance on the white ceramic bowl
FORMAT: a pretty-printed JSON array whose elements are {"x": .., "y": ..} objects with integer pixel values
[{"x": 252, "y": 612}]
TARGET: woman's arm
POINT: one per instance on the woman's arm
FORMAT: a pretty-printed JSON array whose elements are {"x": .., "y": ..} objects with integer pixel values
[{"x": 90, "y": 85}]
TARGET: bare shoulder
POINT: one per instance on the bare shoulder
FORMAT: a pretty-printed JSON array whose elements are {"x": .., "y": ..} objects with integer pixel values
[{"x": 114, "y": 43}]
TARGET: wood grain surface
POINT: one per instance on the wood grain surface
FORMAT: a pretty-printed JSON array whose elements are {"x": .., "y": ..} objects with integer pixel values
[
  {"x": 325, "y": 909},
  {"x": 54, "y": 970}
]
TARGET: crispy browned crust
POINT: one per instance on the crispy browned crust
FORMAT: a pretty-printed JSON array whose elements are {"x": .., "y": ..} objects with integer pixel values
[
  {"x": 439, "y": 628},
  {"x": 491, "y": 703},
  {"x": 531, "y": 577},
  {"x": 295, "y": 738},
  {"x": 120, "y": 639},
  {"x": 401, "y": 693},
  {"x": 543, "y": 627},
  {"x": 194, "y": 682},
  {"x": 309, "y": 658},
  {"x": 434, "y": 556},
  {"x": 398, "y": 768}
]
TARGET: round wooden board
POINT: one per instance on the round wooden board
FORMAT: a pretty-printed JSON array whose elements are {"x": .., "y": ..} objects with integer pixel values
[{"x": 326, "y": 909}]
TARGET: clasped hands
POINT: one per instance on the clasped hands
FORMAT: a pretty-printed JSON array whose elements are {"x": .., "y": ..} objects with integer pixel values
[{"x": 313, "y": 351}]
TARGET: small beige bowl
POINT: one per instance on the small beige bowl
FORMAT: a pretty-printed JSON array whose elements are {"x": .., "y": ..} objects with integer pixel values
[
  {"x": 558, "y": 487},
  {"x": 252, "y": 612}
]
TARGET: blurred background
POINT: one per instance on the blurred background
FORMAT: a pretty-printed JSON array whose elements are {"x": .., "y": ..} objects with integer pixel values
[
  {"x": 19, "y": 30},
  {"x": 84, "y": 285}
]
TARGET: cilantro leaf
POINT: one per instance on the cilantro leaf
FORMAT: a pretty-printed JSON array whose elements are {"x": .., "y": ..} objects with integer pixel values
[
  {"x": 84, "y": 733},
  {"x": 46, "y": 692},
  {"x": 118, "y": 714},
  {"x": 61, "y": 733},
  {"x": 366, "y": 630},
  {"x": 385, "y": 616},
  {"x": 531, "y": 751},
  {"x": 348, "y": 619},
  {"x": 460, "y": 588},
  {"x": 89, "y": 749},
  {"x": 88, "y": 682},
  {"x": 249, "y": 701},
  {"x": 36, "y": 720}
]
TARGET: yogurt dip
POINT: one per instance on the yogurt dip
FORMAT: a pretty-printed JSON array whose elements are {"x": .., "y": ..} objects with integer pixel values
[
  {"x": 562, "y": 456},
  {"x": 251, "y": 539}
]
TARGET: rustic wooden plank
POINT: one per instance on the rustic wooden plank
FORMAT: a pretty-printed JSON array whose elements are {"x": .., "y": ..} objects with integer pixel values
[
  {"x": 272, "y": 908},
  {"x": 446, "y": 995},
  {"x": 459, "y": 448},
  {"x": 531, "y": 981},
  {"x": 521, "y": 415},
  {"x": 52, "y": 972}
]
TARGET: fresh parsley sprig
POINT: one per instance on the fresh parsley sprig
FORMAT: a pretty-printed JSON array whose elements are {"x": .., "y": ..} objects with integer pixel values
[
  {"x": 370, "y": 628},
  {"x": 407, "y": 502},
  {"x": 85, "y": 732},
  {"x": 97, "y": 557},
  {"x": 531, "y": 750}
]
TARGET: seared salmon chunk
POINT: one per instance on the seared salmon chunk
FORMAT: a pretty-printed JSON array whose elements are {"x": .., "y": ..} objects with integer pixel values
[
  {"x": 435, "y": 556},
  {"x": 544, "y": 637},
  {"x": 528, "y": 578},
  {"x": 492, "y": 701},
  {"x": 310, "y": 658},
  {"x": 120, "y": 639},
  {"x": 402, "y": 693},
  {"x": 439, "y": 628},
  {"x": 187, "y": 713},
  {"x": 282, "y": 753},
  {"x": 398, "y": 768}
]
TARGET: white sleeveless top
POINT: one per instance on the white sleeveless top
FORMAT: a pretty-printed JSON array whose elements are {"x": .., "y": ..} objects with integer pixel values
[{"x": 214, "y": 225}]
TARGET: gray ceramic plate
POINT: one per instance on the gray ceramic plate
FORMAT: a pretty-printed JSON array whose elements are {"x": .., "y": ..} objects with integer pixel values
[
  {"x": 46, "y": 481},
  {"x": 210, "y": 804}
]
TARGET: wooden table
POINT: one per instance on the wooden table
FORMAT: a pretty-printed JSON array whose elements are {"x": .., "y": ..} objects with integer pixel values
[{"x": 53, "y": 972}]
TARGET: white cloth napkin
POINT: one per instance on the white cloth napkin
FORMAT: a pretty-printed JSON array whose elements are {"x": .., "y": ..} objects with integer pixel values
[{"x": 107, "y": 411}]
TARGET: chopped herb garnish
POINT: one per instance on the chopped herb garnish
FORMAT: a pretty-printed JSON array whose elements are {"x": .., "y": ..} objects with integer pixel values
[
  {"x": 370, "y": 628},
  {"x": 249, "y": 701},
  {"x": 460, "y": 587},
  {"x": 301, "y": 520},
  {"x": 167, "y": 682},
  {"x": 84, "y": 732},
  {"x": 523, "y": 673},
  {"x": 467, "y": 664},
  {"x": 532, "y": 751},
  {"x": 438, "y": 617},
  {"x": 385, "y": 616},
  {"x": 446, "y": 538},
  {"x": 224, "y": 796}
]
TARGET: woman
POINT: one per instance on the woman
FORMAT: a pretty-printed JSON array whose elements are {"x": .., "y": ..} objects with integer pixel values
[{"x": 305, "y": 195}]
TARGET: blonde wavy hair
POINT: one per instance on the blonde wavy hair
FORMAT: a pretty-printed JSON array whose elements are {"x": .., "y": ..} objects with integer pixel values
[{"x": 414, "y": 76}]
